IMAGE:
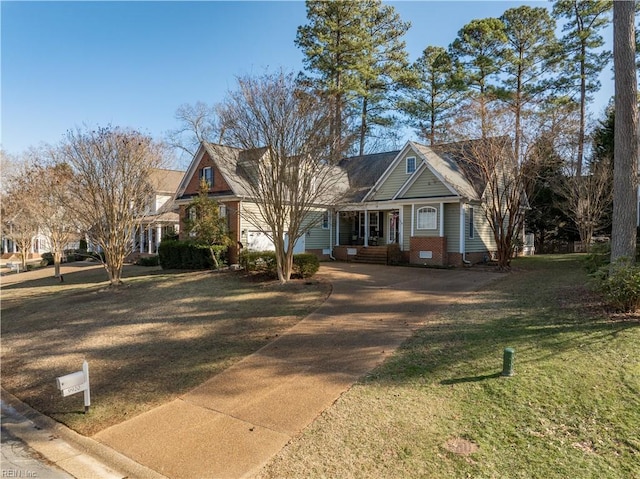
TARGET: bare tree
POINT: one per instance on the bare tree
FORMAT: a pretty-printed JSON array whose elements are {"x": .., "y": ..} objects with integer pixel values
[
  {"x": 285, "y": 130},
  {"x": 54, "y": 212},
  {"x": 625, "y": 177},
  {"x": 196, "y": 123},
  {"x": 19, "y": 211},
  {"x": 111, "y": 190},
  {"x": 502, "y": 182},
  {"x": 586, "y": 199}
]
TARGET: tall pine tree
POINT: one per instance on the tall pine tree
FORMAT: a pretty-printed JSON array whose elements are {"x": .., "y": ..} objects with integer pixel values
[
  {"x": 431, "y": 101},
  {"x": 355, "y": 57},
  {"x": 582, "y": 49}
]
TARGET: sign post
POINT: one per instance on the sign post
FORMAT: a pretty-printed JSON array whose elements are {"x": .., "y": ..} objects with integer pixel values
[{"x": 76, "y": 382}]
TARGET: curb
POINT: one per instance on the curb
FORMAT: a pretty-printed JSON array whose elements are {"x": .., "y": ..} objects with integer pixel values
[{"x": 80, "y": 456}]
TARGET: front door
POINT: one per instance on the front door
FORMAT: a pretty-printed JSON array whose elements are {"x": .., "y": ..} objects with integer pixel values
[{"x": 394, "y": 221}]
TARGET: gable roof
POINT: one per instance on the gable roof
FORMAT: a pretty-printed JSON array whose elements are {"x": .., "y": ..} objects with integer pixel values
[{"x": 446, "y": 167}]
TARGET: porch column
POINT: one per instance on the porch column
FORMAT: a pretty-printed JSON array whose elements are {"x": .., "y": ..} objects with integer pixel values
[
  {"x": 158, "y": 237},
  {"x": 4, "y": 246},
  {"x": 401, "y": 227},
  {"x": 441, "y": 219},
  {"x": 337, "y": 228},
  {"x": 141, "y": 245},
  {"x": 366, "y": 227},
  {"x": 413, "y": 215},
  {"x": 462, "y": 232},
  {"x": 150, "y": 239}
]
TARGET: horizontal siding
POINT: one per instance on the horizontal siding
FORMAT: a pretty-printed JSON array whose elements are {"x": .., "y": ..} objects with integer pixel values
[
  {"x": 427, "y": 186},
  {"x": 452, "y": 226},
  {"x": 396, "y": 179},
  {"x": 406, "y": 228},
  {"x": 483, "y": 237}
]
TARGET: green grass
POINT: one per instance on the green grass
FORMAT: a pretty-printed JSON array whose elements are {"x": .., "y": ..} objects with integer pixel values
[{"x": 571, "y": 410}]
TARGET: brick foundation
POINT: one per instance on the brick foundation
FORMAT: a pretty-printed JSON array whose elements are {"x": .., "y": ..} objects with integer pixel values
[{"x": 436, "y": 245}]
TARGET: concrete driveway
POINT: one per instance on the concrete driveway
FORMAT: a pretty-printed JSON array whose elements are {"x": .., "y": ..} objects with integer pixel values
[{"x": 230, "y": 426}]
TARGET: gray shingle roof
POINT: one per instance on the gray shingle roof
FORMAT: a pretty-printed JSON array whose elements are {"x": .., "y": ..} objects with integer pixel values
[{"x": 363, "y": 172}]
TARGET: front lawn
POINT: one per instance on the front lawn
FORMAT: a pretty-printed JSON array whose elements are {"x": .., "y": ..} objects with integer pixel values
[
  {"x": 153, "y": 339},
  {"x": 439, "y": 408}
]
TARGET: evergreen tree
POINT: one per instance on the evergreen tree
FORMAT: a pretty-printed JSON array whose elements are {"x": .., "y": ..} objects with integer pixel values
[
  {"x": 585, "y": 59},
  {"x": 527, "y": 61},
  {"x": 385, "y": 67},
  {"x": 431, "y": 101},
  {"x": 333, "y": 43},
  {"x": 204, "y": 224},
  {"x": 625, "y": 175},
  {"x": 479, "y": 48},
  {"x": 356, "y": 58}
]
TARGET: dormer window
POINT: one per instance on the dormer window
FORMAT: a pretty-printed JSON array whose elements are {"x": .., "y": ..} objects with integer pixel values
[{"x": 411, "y": 164}]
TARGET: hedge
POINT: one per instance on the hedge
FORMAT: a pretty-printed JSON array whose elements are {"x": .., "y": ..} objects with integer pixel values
[{"x": 175, "y": 254}]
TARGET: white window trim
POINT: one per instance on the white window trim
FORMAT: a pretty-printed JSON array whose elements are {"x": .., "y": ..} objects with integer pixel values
[
  {"x": 433, "y": 225},
  {"x": 325, "y": 220},
  {"x": 415, "y": 164}
]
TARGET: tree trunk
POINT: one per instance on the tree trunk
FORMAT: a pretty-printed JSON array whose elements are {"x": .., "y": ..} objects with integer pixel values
[
  {"x": 363, "y": 125},
  {"x": 625, "y": 172},
  {"x": 57, "y": 257}
]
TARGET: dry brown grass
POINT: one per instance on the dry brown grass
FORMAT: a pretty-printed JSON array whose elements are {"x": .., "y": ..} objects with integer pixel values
[{"x": 153, "y": 339}]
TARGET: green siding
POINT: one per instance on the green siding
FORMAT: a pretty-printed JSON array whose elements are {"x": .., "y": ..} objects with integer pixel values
[
  {"x": 482, "y": 236},
  {"x": 406, "y": 228},
  {"x": 427, "y": 185},
  {"x": 396, "y": 179},
  {"x": 452, "y": 226}
]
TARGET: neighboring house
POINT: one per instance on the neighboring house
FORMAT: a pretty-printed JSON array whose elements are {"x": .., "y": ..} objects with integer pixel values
[
  {"x": 228, "y": 171},
  {"x": 161, "y": 216},
  {"x": 420, "y": 201}
]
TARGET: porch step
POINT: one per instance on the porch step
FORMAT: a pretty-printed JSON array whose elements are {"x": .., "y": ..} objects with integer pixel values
[{"x": 371, "y": 255}]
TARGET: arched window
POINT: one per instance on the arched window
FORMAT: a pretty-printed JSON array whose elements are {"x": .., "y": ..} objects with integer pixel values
[{"x": 427, "y": 218}]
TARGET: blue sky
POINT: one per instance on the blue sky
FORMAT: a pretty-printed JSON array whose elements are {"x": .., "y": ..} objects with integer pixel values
[{"x": 67, "y": 64}]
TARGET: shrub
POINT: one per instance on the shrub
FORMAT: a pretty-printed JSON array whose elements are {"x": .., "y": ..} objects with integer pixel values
[
  {"x": 48, "y": 257},
  {"x": 305, "y": 265},
  {"x": 148, "y": 261},
  {"x": 259, "y": 262},
  {"x": 175, "y": 254},
  {"x": 620, "y": 285},
  {"x": 598, "y": 257},
  {"x": 394, "y": 255}
]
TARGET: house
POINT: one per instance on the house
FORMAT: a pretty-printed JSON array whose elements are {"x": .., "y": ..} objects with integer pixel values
[
  {"x": 228, "y": 171},
  {"x": 161, "y": 216},
  {"x": 423, "y": 203}
]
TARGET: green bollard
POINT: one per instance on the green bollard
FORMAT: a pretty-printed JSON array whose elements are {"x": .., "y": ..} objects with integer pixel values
[{"x": 507, "y": 361}]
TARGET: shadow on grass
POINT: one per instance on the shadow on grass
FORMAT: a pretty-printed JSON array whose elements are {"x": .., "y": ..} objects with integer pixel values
[{"x": 472, "y": 379}]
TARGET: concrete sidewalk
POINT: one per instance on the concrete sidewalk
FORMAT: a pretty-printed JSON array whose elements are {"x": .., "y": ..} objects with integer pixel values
[{"x": 230, "y": 426}]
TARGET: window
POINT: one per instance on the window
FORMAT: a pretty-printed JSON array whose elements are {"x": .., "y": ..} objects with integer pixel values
[
  {"x": 471, "y": 222},
  {"x": 325, "y": 220},
  {"x": 427, "y": 218},
  {"x": 411, "y": 164},
  {"x": 222, "y": 211},
  {"x": 206, "y": 174},
  {"x": 193, "y": 214}
]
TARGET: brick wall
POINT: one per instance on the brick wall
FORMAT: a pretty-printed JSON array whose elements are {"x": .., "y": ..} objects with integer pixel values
[{"x": 437, "y": 245}]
